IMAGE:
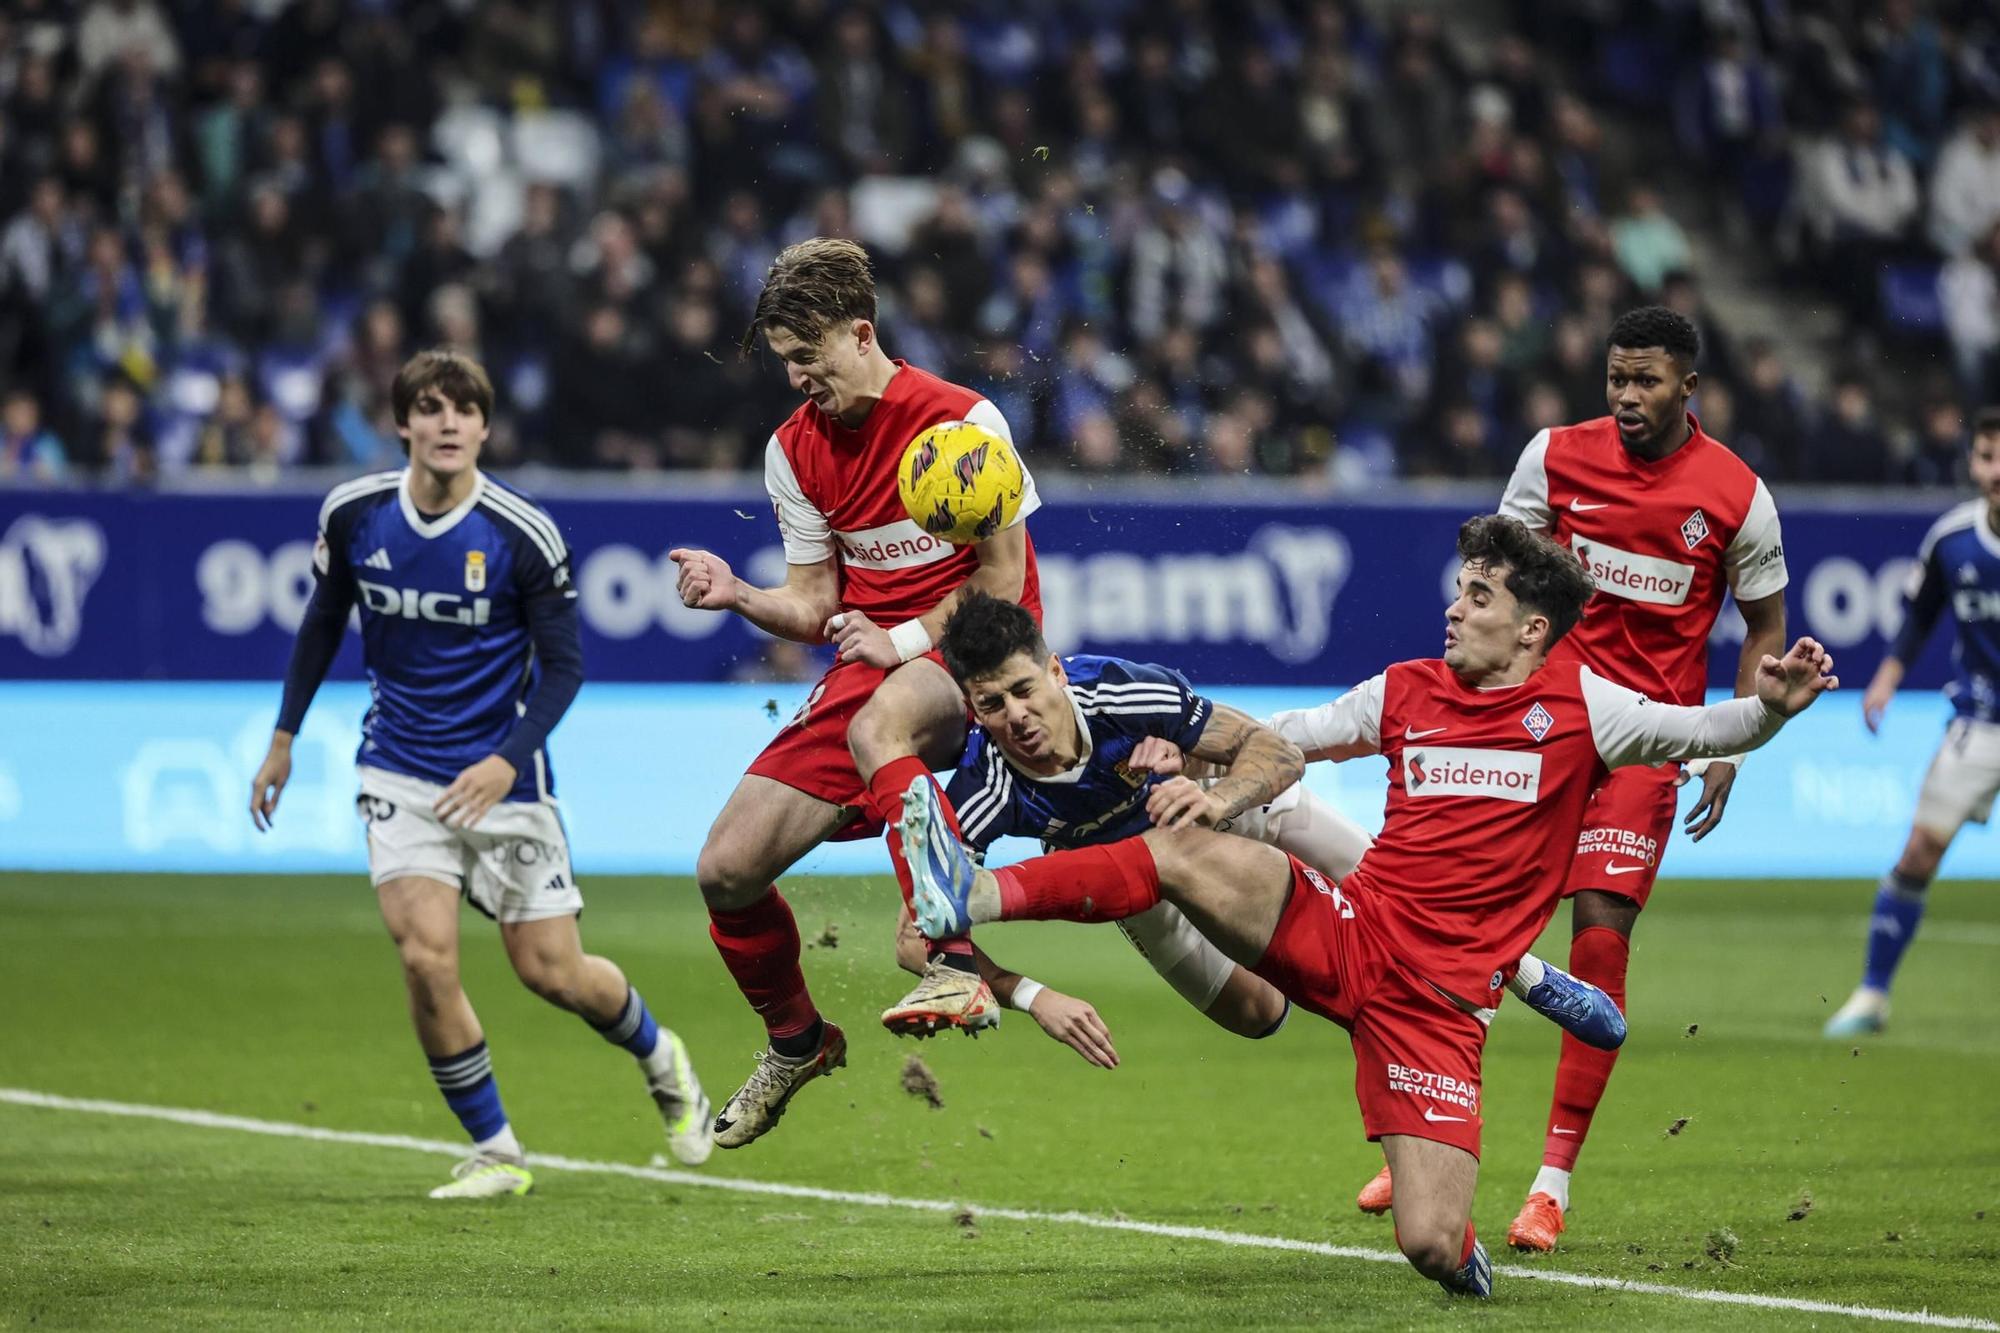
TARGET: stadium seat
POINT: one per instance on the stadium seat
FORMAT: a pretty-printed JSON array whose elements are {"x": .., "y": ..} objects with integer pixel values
[{"x": 1909, "y": 296}]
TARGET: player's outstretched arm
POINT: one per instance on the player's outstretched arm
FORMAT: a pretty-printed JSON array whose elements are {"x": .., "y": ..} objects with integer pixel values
[
  {"x": 1260, "y": 764},
  {"x": 1631, "y": 729},
  {"x": 798, "y": 609}
]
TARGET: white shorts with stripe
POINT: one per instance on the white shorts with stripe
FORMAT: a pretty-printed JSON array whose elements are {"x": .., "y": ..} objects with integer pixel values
[
  {"x": 1962, "y": 780},
  {"x": 514, "y": 866}
]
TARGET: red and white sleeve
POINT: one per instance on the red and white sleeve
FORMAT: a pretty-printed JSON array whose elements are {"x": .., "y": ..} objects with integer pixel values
[{"x": 807, "y": 533}]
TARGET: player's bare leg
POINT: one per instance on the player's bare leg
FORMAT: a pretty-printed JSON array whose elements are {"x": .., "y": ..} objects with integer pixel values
[
  {"x": 914, "y": 725},
  {"x": 1434, "y": 1184},
  {"x": 422, "y": 918},
  {"x": 765, "y": 827},
  {"x": 549, "y": 959},
  {"x": 1600, "y": 944},
  {"x": 1899, "y": 907}
]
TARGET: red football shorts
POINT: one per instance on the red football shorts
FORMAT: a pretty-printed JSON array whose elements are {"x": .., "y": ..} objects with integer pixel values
[
  {"x": 1416, "y": 1053},
  {"x": 1625, "y": 831},
  {"x": 811, "y": 752}
]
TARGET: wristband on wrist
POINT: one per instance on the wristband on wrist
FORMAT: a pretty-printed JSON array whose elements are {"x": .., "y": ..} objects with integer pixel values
[
  {"x": 1025, "y": 991},
  {"x": 912, "y": 640}
]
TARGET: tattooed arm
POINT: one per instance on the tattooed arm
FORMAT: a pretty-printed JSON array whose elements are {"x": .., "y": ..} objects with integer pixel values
[{"x": 1260, "y": 764}]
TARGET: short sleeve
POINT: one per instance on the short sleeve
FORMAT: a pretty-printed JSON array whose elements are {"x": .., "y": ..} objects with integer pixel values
[
  {"x": 1756, "y": 558},
  {"x": 986, "y": 415},
  {"x": 1527, "y": 493},
  {"x": 808, "y": 536}
]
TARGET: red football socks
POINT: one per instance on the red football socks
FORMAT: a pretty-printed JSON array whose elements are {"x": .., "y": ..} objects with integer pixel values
[
  {"x": 885, "y": 798},
  {"x": 1105, "y": 883},
  {"x": 1598, "y": 955},
  {"x": 760, "y": 947}
]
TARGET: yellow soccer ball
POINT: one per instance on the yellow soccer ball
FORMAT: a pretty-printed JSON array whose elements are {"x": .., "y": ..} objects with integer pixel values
[{"x": 961, "y": 482}]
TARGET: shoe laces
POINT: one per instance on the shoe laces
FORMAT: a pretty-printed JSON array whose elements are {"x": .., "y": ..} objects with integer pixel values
[
  {"x": 479, "y": 1162},
  {"x": 772, "y": 1073}
]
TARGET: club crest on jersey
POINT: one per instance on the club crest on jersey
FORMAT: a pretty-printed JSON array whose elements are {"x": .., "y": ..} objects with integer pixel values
[
  {"x": 1538, "y": 721},
  {"x": 1968, "y": 573},
  {"x": 1129, "y": 775},
  {"x": 475, "y": 571},
  {"x": 1694, "y": 530}
]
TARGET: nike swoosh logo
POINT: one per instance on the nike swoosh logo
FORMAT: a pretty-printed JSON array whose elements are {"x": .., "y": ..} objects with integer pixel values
[
  {"x": 1412, "y": 734},
  {"x": 1579, "y": 506},
  {"x": 1562, "y": 1131},
  {"x": 1431, "y": 1115},
  {"x": 1623, "y": 870}
]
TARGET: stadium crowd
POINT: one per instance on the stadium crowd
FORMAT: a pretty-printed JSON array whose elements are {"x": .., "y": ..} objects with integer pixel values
[{"x": 1291, "y": 237}]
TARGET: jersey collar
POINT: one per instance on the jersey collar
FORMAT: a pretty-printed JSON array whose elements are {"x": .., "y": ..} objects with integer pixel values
[
  {"x": 445, "y": 522},
  {"x": 1069, "y": 777}
]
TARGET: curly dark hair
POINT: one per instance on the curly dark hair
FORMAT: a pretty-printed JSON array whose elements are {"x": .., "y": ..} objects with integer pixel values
[
  {"x": 1542, "y": 576},
  {"x": 984, "y": 632},
  {"x": 1657, "y": 326}
]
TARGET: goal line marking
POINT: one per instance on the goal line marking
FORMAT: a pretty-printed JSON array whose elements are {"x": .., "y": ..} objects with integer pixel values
[{"x": 869, "y": 1199}]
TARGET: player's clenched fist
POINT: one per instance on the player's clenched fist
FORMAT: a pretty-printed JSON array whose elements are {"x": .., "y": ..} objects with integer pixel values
[
  {"x": 1156, "y": 754},
  {"x": 706, "y": 582}
]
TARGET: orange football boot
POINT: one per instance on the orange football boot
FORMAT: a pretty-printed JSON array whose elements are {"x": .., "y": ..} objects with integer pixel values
[{"x": 1539, "y": 1223}]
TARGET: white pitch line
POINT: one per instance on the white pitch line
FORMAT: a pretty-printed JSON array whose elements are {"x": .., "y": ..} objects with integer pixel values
[{"x": 1247, "y": 1240}]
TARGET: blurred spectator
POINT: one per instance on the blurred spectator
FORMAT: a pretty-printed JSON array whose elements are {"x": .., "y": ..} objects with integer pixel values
[
  {"x": 1649, "y": 244},
  {"x": 121, "y": 441},
  {"x": 115, "y": 29},
  {"x": 1728, "y": 114},
  {"x": 1178, "y": 266},
  {"x": 1774, "y": 419},
  {"x": 1849, "y": 445},
  {"x": 1910, "y": 76},
  {"x": 1969, "y": 293},
  {"x": 1860, "y": 198},
  {"x": 1965, "y": 192},
  {"x": 28, "y": 451},
  {"x": 1938, "y": 456}
]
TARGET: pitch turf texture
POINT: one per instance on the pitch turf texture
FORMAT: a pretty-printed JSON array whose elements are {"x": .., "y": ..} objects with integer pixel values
[{"x": 1738, "y": 1152}]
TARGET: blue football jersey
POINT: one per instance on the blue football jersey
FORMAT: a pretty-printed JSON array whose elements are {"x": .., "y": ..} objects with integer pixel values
[
  {"x": 1117, "y": 704},
  {"x": 1960, "y": 569},
  {"x": 444, "y": 620}
]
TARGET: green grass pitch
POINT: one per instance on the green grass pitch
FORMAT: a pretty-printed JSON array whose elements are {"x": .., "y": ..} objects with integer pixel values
[{"x": 1863, "y": 1174}]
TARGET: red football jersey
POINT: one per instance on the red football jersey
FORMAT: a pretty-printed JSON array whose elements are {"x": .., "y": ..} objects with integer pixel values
[
  {"x": 834, "y": 491},
  {"x": 1487, "y": 791},
  {"x": 1665, "y": 542}
]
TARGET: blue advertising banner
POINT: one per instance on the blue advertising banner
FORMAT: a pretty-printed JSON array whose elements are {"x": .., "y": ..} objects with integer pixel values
[
  {"x": 156, "y": 777},
  {"x": 1246, "y": 588}
]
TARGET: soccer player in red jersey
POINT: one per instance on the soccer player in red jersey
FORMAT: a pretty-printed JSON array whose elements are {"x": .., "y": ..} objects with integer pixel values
[
  {"x": 1495, "y": 752},
  {"x": 1668, "y": 522},
  {"x": 864, "y": 576}
]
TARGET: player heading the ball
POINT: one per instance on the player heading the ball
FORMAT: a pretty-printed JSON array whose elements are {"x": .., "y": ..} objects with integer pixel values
[{"x": 861, "y": 574}]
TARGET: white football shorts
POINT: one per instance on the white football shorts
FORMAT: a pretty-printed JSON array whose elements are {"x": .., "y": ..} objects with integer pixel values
[
  {"x": 1296, "y": 821},
  {"x": 513, "y": 867},
  {"x": 1963, "y": 778}
]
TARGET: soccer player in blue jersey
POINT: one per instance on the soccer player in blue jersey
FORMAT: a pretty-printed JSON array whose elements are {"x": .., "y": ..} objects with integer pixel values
[
  {"x": 1083, "y": 750},
  {"x": 470, "y": 640},
  {"x": 1958, "y": 567}
]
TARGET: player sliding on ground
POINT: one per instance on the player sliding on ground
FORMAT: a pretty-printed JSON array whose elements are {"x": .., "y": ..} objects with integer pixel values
[
  {"x": 469, "y": 636},
  {"x": 1060, "y": 753},
  {"x": 860, "y": 574},
  {"x": 1493, "y": 754},
  {"x": 1959, "y": 567}
]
